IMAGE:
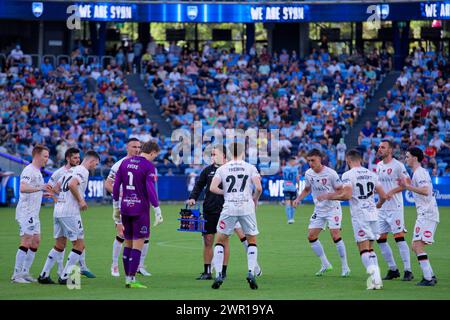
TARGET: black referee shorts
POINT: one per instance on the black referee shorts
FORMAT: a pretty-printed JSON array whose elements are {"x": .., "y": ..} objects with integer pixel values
[{"x": 212, "y": 219}]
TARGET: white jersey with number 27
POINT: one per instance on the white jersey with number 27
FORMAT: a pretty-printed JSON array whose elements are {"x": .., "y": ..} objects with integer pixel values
[{"x": 236, "y": 177}]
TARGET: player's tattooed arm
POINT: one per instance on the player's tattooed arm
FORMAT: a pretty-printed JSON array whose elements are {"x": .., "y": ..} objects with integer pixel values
[{"x": 214, "y": 188}]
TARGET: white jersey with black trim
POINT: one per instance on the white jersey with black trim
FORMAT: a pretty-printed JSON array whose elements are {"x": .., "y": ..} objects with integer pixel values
[
  {"x": 426, "y": 205},
  {"x": 389, "y": 175},
  {"x": 29, "y": 204},
  {"x": 362, "y": 202},
  {"x": 326, "y": 181},
  {"x": 67, "y": 205},
  {"x": 236, "y": 177}
]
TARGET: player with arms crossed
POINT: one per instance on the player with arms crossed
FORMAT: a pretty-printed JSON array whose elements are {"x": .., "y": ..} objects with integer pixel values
[
  {"x": 291, "y": 178},
  {"x": 391, "y": 218},
  {"x": 359, "y": 185},
  {"x": 32, "y": 189},
  {"x": 427, "y": 212},
  {"x": 136, "y": 177},
  {"x": 71, "y": 189},
  {"x": 56, "y": 254},
  {"x": 133, "y": 149},
  {"x": 320, "y": 179},
  {"x": 237, "y": 178}
]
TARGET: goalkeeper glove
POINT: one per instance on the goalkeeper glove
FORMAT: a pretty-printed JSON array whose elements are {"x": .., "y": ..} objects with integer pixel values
[{"x": 158, "y": 216}]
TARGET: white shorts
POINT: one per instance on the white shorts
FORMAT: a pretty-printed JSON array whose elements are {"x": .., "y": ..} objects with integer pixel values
[
  {"x": 238, "y": 225},
  {"x": 424, "y": 230},
  {"x": 248, "y": 224},
  {"x": 391, "y": 221},
  {"x": 340, "y": 156},
  {"x": 365, "y": 230},
  {"x": 68, "y": 227},
  {"x": 29, "y": 226},
  {"x": 321, "y": 220}
]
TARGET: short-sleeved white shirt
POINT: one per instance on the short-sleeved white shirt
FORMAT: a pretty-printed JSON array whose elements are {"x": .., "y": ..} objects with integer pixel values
[{"x": 29, "y": 204}]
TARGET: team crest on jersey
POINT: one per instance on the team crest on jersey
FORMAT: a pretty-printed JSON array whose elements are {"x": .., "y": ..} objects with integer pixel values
[
  {"x": 427, "y": 234},
  {"x": 389, "y": 171},
  {"x": 417, "y": 229},
  {"x": 336, "y": 218},
  {"x": 397, "y": 222},
  {"x": 324, "y": 181},
  {"x": 361, "y": 233},
  {"x": 222, "y": 225}
]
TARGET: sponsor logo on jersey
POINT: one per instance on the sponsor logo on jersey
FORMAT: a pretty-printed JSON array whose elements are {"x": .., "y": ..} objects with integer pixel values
[
  {"x": 143, "y": 229},
  {"x": 427, "y": 234}
]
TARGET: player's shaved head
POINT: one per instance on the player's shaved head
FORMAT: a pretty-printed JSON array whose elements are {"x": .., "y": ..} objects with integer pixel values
[
  {"x": 132, "y": 140},
  {"x": 92, "y": 154}
]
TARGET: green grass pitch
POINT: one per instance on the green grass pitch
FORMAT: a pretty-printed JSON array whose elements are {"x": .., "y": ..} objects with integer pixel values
[{"x": 175, "y": 259}]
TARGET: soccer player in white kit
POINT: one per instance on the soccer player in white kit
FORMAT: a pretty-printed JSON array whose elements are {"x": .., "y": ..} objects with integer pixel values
[
  {"x": 359, "y": 185},
  {"x": 427, "y": 212},
  {"x": 238, "y": 179},
  {"x": 133, "y": 149},
  {"x": 320, "y": 179},
  {"x": 32, "y": 189},
  {"x": 71, "y": 189},
  {"x": 56, "y": 254},
  {"x": 391, "y": 215}
]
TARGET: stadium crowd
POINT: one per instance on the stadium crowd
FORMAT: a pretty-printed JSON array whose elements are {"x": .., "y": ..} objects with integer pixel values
[
  {"x": 312, "y": 101},
  {"x": 415, "y": 112}
]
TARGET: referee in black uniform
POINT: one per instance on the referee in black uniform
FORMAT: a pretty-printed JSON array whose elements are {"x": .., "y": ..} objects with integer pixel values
[{"x": 212, "y": 207}]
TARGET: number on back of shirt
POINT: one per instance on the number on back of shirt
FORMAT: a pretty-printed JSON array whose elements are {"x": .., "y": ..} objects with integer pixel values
[
  {"x": 65, "y": 183},
  {"x": 366, "y": 192},
  {"x": 232, "y": 179}
]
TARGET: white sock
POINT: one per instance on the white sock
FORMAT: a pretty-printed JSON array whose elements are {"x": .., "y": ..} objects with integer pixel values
[
  {"x": 425, "y": 265},
  {"x": 143, "y": 254},
  {"x": 373, "y": 258},
  {"x": 20, "y": 259},
  {"x": 217, "y": 260},
  {"x": 117, "y": 247},
  {"x": 60, "y": 261},
  {"x": 365, "y": 257},
  {"x": 387, "y": 255},
  {"x": 52, "y": 258},
  {"x": 72, "y": 260},
  {"x": 340, "y": 246},
  {"x": 404, "y": 253},
  {"x": 29, "y": 260},
  {"x": 82, "y": 261},
  {"x": 252, "y": 257},
  {"x": 318, "y": 249}
]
